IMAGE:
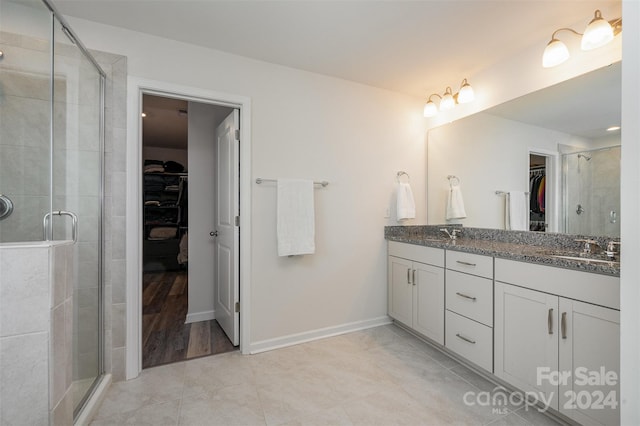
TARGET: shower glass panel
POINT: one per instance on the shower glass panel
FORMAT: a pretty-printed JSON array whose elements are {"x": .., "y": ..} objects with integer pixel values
[
  {"x": 592, "y": 192},
  {"x": 51, "y": 162},
  {"x": 77, "y": 188},
  {"x": 25, "y": 119}
]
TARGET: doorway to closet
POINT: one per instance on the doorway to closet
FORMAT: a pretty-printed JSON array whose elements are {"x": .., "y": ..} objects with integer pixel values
[{"x": 190, "y": 238}]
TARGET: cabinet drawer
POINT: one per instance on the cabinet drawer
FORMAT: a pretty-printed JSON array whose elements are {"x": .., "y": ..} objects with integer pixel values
[
  {"x": 470, "y": 296},
  {"x": 475, "y": 264},
  {"x": 470, "y": 340},
  {"x": 429, "y": 255}
]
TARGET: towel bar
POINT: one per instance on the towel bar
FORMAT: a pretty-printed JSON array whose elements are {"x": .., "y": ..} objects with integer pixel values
[{"x": 260, "y": 180}]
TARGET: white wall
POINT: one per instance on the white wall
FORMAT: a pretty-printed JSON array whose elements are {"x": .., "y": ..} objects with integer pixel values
[
  {"x": 309, "y": 126},
  {"x": 488, "y": 154},
  {"x": 202, "y": 157},
  {"x": 630, "y": 212}
]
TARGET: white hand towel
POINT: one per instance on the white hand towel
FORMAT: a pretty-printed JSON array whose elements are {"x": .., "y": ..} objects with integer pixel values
[
  {"x": 406, "y": 205},
  {"x": 455, "y": 204},
  {"x": 295, "y": 217},
  {"x": 517, "y": 211}
]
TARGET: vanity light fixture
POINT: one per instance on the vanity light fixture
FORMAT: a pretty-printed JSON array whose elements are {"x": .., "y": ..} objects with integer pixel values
[
  {"x": 449, "y": 100},
  {"x": 598, "y": 33},
  {"x": 613, "y": 128}
]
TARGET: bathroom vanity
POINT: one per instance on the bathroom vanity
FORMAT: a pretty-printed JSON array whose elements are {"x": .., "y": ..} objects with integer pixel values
[{"x": 526, "y": 309}]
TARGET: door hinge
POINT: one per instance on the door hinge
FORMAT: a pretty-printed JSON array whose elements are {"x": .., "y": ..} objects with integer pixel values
[
  {"x": 237, "y": 221},
  {"x": 237, "y": 306},
  {"x": 237, "y": 134}
]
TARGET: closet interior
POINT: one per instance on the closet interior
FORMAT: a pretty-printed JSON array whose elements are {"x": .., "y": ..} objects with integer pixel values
[{"x": 537, "y": 193}]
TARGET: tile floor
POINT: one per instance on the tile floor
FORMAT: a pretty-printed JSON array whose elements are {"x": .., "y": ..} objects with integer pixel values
[{"x": 379, "y": 376}]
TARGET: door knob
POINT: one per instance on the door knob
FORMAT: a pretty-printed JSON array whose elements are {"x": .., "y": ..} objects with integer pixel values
[{"x": 213, "y": 233}]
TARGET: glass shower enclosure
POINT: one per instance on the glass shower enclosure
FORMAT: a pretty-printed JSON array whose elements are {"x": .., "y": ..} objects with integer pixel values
[
  {"x": 591, "y": 182},
  {"x": 51, "y": 162}
]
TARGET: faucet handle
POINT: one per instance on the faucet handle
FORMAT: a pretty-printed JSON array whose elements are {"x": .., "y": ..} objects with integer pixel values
[
  {"x": 587, "y": 244},
  {"x": 611, "y": 249}
]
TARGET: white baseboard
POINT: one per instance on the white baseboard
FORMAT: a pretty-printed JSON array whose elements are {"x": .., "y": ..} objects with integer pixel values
[
  {"x": 308, "y": 336},
  {"x": 95, "y": 400},
  {"x": 200, "y": 316}
]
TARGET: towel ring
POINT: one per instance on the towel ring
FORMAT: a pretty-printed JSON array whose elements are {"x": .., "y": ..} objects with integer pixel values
[
  {"x": 400, "y": 173},
  {"x": 453, "y": 180}
]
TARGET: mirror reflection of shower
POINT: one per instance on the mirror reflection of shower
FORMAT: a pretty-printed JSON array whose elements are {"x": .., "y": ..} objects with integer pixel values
[{"x": 591, "y": 187}]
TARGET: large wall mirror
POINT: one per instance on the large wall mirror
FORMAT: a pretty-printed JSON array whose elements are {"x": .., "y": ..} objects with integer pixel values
[{"x": 562, "y": 132}]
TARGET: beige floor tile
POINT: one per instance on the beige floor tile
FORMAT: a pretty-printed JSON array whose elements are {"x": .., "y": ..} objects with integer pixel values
[{"x": 379, "y": 376}]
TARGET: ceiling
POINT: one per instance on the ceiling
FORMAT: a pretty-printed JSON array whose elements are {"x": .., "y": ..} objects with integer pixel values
[{"x": 404, "y": 46}]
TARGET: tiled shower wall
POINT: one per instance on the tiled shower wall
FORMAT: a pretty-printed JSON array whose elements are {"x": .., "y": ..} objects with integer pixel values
[
  {"x": 114, "y": 254},
  {"x": 595, "y": 185},
  {"x": 24, "y": 165}
]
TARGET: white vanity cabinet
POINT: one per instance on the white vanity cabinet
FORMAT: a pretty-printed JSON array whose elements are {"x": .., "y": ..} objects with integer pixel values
[
  {"x": 469, "y": 307},
  {"x": 416, "y": 288},
  {"x": 557, "y": 334}
]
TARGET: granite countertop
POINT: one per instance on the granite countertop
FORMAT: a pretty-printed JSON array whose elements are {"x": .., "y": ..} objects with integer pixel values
[{"x": 508, "y": 246}]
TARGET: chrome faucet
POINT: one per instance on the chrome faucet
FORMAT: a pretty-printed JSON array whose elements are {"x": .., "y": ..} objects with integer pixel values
[
  {"x": 453, "y": 234},
  {"x": 588, "y": 245},
  {"x": 611, "y": 249}
]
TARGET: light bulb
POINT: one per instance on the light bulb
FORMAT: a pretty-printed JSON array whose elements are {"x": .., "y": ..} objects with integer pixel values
[
  {"x": 466, "y": 93},
  {"x": 430, "y": 109},
  {"x": 555, "y": 53},
  {"x": 597, "y": 34},
  {"x": 447, "y": 101}
]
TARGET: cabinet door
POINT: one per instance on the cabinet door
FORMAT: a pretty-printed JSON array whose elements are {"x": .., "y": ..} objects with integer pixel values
[
  {"x": 428, "y": 301},
  {"x": 526, "y": 339},
  {"x": 400, "y": 290},
  {"x": 590, "y": 352}
]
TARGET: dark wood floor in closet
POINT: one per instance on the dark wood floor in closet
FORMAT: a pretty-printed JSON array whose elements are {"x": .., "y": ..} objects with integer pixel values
[{"x": 165, "y": 336}]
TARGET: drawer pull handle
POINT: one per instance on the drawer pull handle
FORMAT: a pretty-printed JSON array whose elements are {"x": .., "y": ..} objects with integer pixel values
[
  {"x": 550, "y": 320},
  {"x": 466, "y": 297},
  {"x": 466, "y": 263},
  {"x": 563, "y": 325},
  {"x": 409, "y": 276},
  {"x": 466, "y": 339},
  {"x": 414, "y": 277}
]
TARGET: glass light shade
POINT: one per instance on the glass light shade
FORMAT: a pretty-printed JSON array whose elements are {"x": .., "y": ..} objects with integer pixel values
[
  {"x": 430, "y": 109},
  {"x": 447, "y": 101},
  {"x": 554, "y": 54},
  {"x": 597, "y": 34},
  {"x": 466, "y": 93}
]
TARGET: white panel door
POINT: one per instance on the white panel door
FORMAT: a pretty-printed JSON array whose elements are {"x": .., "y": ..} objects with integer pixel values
[
  {"x": 526, "y": 339},
  {"x": 428, "y": 301},
  {"x": 227, "y": 241},
  {"x": 400, "y": 290},
  {"x": 590, "y": 348}
]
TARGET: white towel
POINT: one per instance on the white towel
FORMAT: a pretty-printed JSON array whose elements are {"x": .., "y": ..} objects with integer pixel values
[
  {"x": 406, "y": 205},
  {"x": 295, "y": 217},
  {"x": 517, "y": 211},
  {"x": 455, "y": 204}
]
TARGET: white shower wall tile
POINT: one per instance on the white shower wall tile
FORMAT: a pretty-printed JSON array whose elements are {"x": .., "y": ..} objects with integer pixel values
[
  {"x": 24, "y": 379},
  {"x": 24, "y": 291}
]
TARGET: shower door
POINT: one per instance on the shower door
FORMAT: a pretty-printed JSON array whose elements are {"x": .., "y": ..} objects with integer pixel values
[{"x": 77, "y": 189}]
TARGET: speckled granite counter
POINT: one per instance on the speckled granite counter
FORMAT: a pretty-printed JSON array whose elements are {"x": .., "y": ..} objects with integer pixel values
[{"x": 532, "y": 247}]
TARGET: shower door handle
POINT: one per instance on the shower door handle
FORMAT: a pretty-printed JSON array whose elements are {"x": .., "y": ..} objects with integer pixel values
[{"x": 46, "y": 222}]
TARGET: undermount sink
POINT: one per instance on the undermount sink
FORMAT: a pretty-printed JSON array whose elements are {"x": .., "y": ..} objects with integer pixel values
[{"x": 587, "y": 259}]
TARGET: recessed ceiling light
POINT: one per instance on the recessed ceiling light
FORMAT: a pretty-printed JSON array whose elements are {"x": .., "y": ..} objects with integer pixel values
[
  {"x": 143, "y": 115},
  {"x": 613, "y": 128}
]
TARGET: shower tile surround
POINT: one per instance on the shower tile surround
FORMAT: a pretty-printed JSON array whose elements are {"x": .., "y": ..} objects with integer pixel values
[
  {"x": 24, "y": 139},
  {"x": 524, "y": 246},
  {"x": 36, "y": 312}
]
